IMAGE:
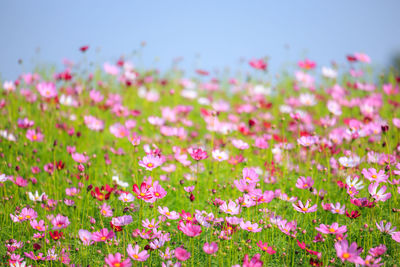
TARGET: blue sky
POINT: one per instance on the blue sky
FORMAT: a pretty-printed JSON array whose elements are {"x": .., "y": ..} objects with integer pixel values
[{"x": 207, "y": 34}]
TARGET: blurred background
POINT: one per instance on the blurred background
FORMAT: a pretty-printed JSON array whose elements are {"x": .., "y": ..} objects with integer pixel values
[{"x": 210, "y": 35}]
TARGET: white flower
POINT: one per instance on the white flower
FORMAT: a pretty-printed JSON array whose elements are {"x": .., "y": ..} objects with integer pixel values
[
  {"x": 354, "y": 183},
  {"x": 119, "y": 182},
  {"x": 307, "y": 99},
  {"x": 3, "y": 178},
  {"x": 9, "y": 86},
  {"x": 334, "y": 107},
  {"x": 220, "y": 155},
  {"x": 35, "y": 197},
  {"x": 329, "y": 73},
  {"x": 350, "y": 161},
  {"x": 5, "y": 134}
]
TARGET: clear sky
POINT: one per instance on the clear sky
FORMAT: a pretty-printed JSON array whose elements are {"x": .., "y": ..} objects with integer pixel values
[{"x": 208, "y": 34}]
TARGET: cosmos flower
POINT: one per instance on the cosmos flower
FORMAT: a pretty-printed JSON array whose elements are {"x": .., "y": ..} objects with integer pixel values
[
  {"x": 116, "y": 260},
  {"x": 210, "y": 248},
  {"x": 300, "y": 207},
  {"x": 331, "y": 229},
  {"x": 135, "y": 255},
  {"x": 150, "y": 162},
  {"x": 348, "y": 253}
]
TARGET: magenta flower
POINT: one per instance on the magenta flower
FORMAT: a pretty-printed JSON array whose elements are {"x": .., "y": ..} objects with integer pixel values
[
  {"x": 254, "y": 262},
  {"x": 86, "y": 237},
  {"x": 258, "y": 64},
  {"x": 331, "y": 229},
  {"x": 135, "y": 255},
  {"x": 189, "y": 229},
  {"x": 346, "y": 253},
  {"x": 116, "y": 261},
  {"x": 265, "y": 247},
  {"x": 300, "y": 207},
  {"x": 248, "y": 226},
  {"x": 182, "y": 254},
  {"x": 60, "y": 222},
  {"x": 34, "y": 136},
  {"x": 197, "y": 153},
  {"x": 210, "y": 248},
  {"x": 375, "y": 177},
  {"x": 103, "y": 235}
]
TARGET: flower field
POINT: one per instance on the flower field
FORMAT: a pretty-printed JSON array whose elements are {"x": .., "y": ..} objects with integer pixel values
[{"x": 119, "y": 166}]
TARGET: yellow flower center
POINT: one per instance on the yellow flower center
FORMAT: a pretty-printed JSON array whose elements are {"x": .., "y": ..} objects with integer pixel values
[{"x": 346, "y": 255}]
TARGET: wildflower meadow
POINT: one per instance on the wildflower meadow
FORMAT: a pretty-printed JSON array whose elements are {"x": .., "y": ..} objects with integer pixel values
[{"x": 120, "y": 166}]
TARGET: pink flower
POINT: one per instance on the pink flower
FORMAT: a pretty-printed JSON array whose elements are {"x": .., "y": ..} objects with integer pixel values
[
  {"x": 150, "y": 162},
  {"x": 103, "y": 235},
  {"x": 331, "y": 229},
  {"x": 60, "y": 222},
  {"x": 210, "y": 248},
  {"x": 157, "y": 191},
  {"x": 307, "y": 141},
  {"x": 93, "y": 123},
  {"x": 182, "y": 254},
  {"x": 122, "y": 220},
  {"x": 106, "y": 210},
  {"x": 375, "y": 177},
  {"x": 396, "y": 122},
  {"x": 119, "y": 131},
  {"x": 300, "y": 207},
  {"x": 96, "y": 96},
  {"x": 346, "y": 253},
  {"x": 135, "y": 255},
  {"x": 86, "y": 237},
  {"x": 34, "y": 136},
  {"x": 189, "y": 188},
  {"x": 231, "y": 208},
  {"x": 248, "y": 226},
  {"x": 250, "y": 175},
  {"x": 189, "y": 229},
  {"x": 337, "y": 208},
  {"x": 362, "y": 57},
  {"x": 396, "y": 236},
  {"x": 39, "y": 226},
  {"x": 47, "y": 90},
  {"x": 304, "y": 183},
  {"x": 80, "y": 158},
  {"x": 173, "y": 215},
  {"x": 116, "y": 261}
]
